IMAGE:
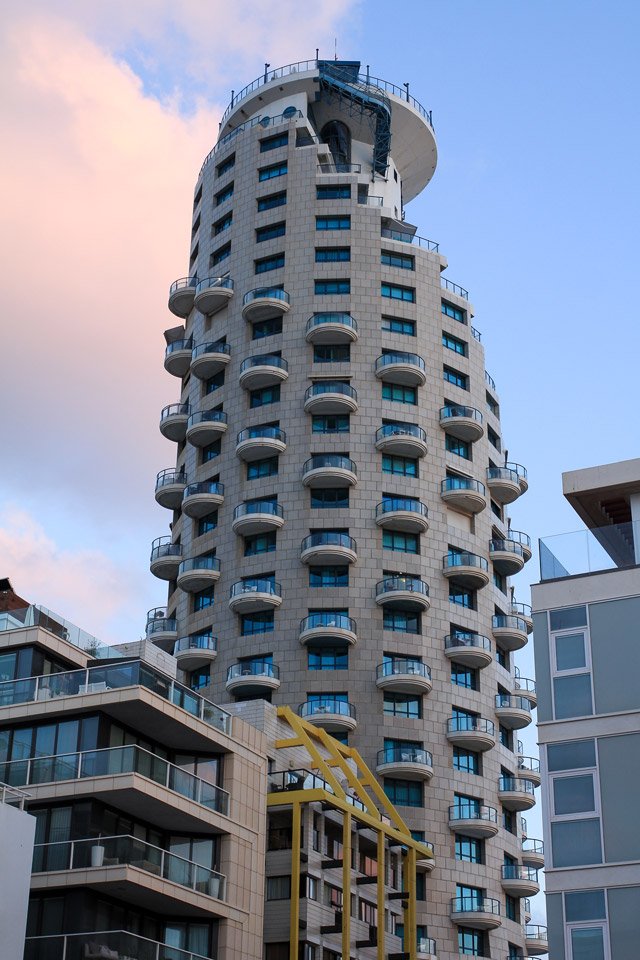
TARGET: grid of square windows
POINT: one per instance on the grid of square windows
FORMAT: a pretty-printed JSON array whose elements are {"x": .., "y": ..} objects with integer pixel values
[
  {"x": 260, "y": 622},
  {"x": 468, "y": 849},
  {"x": 404, "y": 793}
]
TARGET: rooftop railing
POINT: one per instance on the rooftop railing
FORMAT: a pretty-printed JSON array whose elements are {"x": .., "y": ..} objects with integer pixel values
[
  {"x": 589, "y": 551},
  {"x": 103, "y": 943},
  {"x": 262, "y": 121},
  {"x": 454, "y": 288},
  {"x": 35, "y": 615},
  {"x": 12, "y": 796},
  {"x": 401, "y": 237}
]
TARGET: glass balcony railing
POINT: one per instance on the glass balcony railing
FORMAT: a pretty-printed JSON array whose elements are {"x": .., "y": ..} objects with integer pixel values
[
  {"x": 262, "y": 433},
  {"x": 338, "y": 621},
  {"x": 464, "y": 559},
  {"x": 160, "y": 625},
  {"x": 522, "y": 538},
  {"x": 403, "y": 667},
  {"x": 533, "y": 846},
  {"x": 258, "y": 585},
  {"x": 402, "y": 237},
  {"x": 404, "y": 504},
  {"x": 266, "y": 293},
  {"x": 261, "y": 506},
  {"x": 473, "y": 811},
  {"x": 462, "y": 483},
  {"x": 489, "y": 380},
  {"x": 163, "y": 547},
  {"x": 405, "y": 754},
  {"x": 206, "y": 416},
  {"x": 169, "y": 477},
  {"x": 535, "y": 931},
  {"x": 531, "y": 764},
  {"x": 321, "y": 319},
  {"x": 398, "y": 356},
  {"x": 199, "y": 563},
  {"x": 518, "y": 469},
  {"x": 452, "y": 411},
  {"x": 195, "y": 641},
  {"x": 174, "y": 410},
  {"x": 515, "y": 785},
  {"x": 589, "y": 551},
  {"x": 515, "y": 871},
  {"x": 330, "y": 386},
  {"x": 184, "y": 283},
  {"x": 12, "y": 796},
  {"x": 502, "y": 473},
  {"x": 315, "y": 708},
  {"x": 454, "y": 288},
  {"x": 520, "y": 609},
  {"x": 296, "y": 780},
  {"x": 103, "y": 943},
  {"x": 211, "y": 487},
  {"x": 176, "y": 345},
  {"x": 501, "y": 621},
  {"x": 510, "y": 702},
  {"x": 253, "y": 668},
  {"x": 36, "y": 615},
  {"x": 467, "y": 639},
  {"x": 427, "y": 945},
  {"x": 523, "y": 683},
  {"x": 405, "y": 584},
  {"x": 474, "y": 724},
  {"x": 266, "y": 360},
  {"x": 335, "y": 460},
  {"x": 475, "y": 904},
  {"x": 223, "y": 283},
  {"x": 400, "y": 430},
  {"x": 506, "y": 546},
  {"x": 328, "y": 538},
  {"x": 218, "y": 347}
]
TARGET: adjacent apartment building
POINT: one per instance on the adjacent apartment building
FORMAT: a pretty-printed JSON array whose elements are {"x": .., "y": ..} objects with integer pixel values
[{"x": 587, "y": 651}]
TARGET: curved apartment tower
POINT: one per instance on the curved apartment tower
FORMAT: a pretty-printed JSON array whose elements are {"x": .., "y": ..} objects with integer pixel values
[{"x": 339, "y": 488}]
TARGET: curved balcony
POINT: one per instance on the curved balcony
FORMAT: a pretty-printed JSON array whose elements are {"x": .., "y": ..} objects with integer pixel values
[
  {"x": 520, "y": 881},
  {"x": 334, "y": 716},
  {"x": 256, "y": 443},
  {"x": 525, "y": 542},
  {"x": 251, "y": 596},
  {"x": 331, "y": 328},
  {"x": 177, "y": 357},
  {"x": 263, "y": 371},
  {"x": 260, "y": 517},
  {"x": 522, "y": 610},
  {"x": 536, "y": 939},
  {"x": 407, "y": 369},
  {"x": 503, "y": 484},
  {"x": 330, "y": 396},
  {"x": 165, "y": 558},
  {"x": 170, "y": 486},
  {"x": 526, "y": 909},
  {"x": 405, "y": 593},
  {"x": 402, "y": 513},
  {"x": 513, "y": 712},
  {"x": 213, "y": 293},
  {"x": 251, "y": 677},
  {"x": 516, "y": 793},
  {"x": 510, "y": 632},
  {"x": 181, "y": 296},
  {"x": 206, "y": 426},
  {"x": 521, "y": 473},
  {"x": 406, "y": 761},
  {"x": 198, "y": 573},
  {"x": 473, "y": 820},
  {"x": 479, "y": 913},
  {"x": 468, "y": 648},
  {"x": 328, "y": 547},
  {"x": 328, "y": 629},
  {"x": 403, "y": 439},
  {"x": 464, "y": 423},
  {"x": 507, "y": 556},
  {"x": 533, "y": 853},
  {"x": 529, "y": 769},
  {"x": 161, "y": 629},
  {"x": 195, "y": 651},
  {"x": 265, "y": 302},
  {"x": 428, "y": 863},
  {"x": 467, "y": 569},
  {"x": 464, "y": 493},
  {"x": 207, "y": 359},
  {"x": 173, "y": 421},
  {"x": 471, "y": 733},
  {"x": 329, "y": 470},
  {"x": 426, "y": 948},
  {"x": 404, "y": 676},
  {"x": 199, "y": 499},
  {"x": 525, "y": 688}
]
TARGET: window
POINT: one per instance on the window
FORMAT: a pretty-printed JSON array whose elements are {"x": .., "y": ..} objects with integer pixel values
[
  {"x": 492, "y": 405},
  {"x": 455, "y": 377},
  {"x": 401, "y": 621},
  {"x": 226, "y": 165},
  {"x": 402, "y": 705},
  {"x": 502, "y": 657},
  {"x": 214, "y": 383},
  {"x": 586, "y": 905},
  {"x": 471, "y": 943},
  {"x": 404, "y": 793},
  {"x": 394, "y": 292},
  {"x": 403, "y": 542},
  {"x": 466, "y": 760},
  {"x": 225, "y": 194},
  {"x": 368, "y": 913},
  {"x": 499, "y": 581},
  {"x": 571, "y": 672},
  {"x": 207, "y": 523},
  {"x": 270, "y": 232},
  {"x": 330, "y": 498},
  {"x": 211, "y": 451},
  {"x": 203, "y": 599},
  {"x": 511, "y": 908},
  {"x": 494, "y": 439},
  {"x": 330, "y": 423},
  {"x": 587, "y": 943},
  {"x": 342, "y": 222},
  {"x": 454, "y": 312},
  {"x": 200, "y": 678},
  {"x": 469, "y": 849},
  {"x": 252, "y": 623},
  {"x": 262, "y": 468},
  {"x": 278, "y": 888},
  {"x": 222, "y": 225},
  {"x": 568, "y": 619},
  {"x": 334, "y": 191},
  {"x": 396, "y": 325},
  {"x": 272, "y": 200},
  {"x": 272, "y": 143},
  {"x": 576, "y": 842},
  {"x": 269, "y": 263},
  {"x": 267, "y": 328},
  {"x": 399, "y": 393},
  {"x": 463, "y": 676},
  {"x": 259, "y": 543},
  {"x": 219, "y": 255},
  {"x": 329, "y": 576},
  {"x": 571, "y": 756},
  {"x": 573, "y": 795},
  {"x": 509, "y": 821},
  {"x": 506, "y": 737},
  {"x": 264, "y": 396},
  {"x": 462, "y": 596},
  {"x": 328, "y": 658},
  {"x": 331, "y": 287},
  {"x": 452, "y": 343},
  {"x": 460, "y": 447},
  {"x": 275, "y": 170},
  {"x": 333, "y": 254},
  {"x": 401, "y": 466},
  {"x": 401, "y": 260},
  {"x": 332, "y": 353}
]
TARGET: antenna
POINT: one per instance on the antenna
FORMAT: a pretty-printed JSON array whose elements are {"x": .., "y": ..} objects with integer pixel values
[{"x": 335, "y": 48}]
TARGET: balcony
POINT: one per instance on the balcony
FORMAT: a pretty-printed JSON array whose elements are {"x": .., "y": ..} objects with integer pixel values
[
  {"x": 263, "y": 371},
  {"x": 198, "y": 573},
  {"x": 425, "y": 949},
  {"x": 464, "y": 493},
  {"x": 525, "y": 542},
  {"x": 160, "y": 629},
  {"x": 407, "y": 369},
  {"x": 403, "y": 439},
  {"x": 525, "y": 688},
  {"x": 177, "y": 357},
  {"x": 257, "y": 517},
  {"x": 329, "y": 470},
  {"x": 330, "y": 397},
  {"x": 402, "y": 513},
  {"x": 479, "y": 913},
  {"x": 529, "y": 768},
  {"x": 503, "y": 484},
  {"x": 468, "y": 648},
  {"x": 170, "y": 486},
  {"x": 507, "y": 557},
  {"x": 253, "y": 595},
  {"x": 195, "y": 651},
  {"x": 536, "y": 939},
  {"x": 331, "y": 328},
  {"x": 520, "y": 881},
  {"x": 207, "y": 359},
  {"x": 510, "y": 632},
  {"x": 522, "y": 475},
  {"x": 404, "y": 593},
  {"x": 473, "y": 820},
  {"x": 328, "y": 629},
  {"x": 516, "y": 794},
  {"x": 264, "y": 302},
  {"x": 181, "y": 296},
  {"x": 199, "y": 499},
  {"x": 173, "y": 421},
  {"x": 213, "y": 293},
  {"x": 464, "y": 423},
  {"x": 252, "y": 677},
  {"x": 328, "y": 547},
  {"x": 522, "y": 610},
  {"x": 165, "y": 558},
  {"x": 103, "y": 943},
  {"x": 471, "y": 733},
  {"x": 256, "y": 443},
  {"x": 206, "y": 426},
  {"x": 526, "y": 909},
  {"x": 404, "y": 676},
  {"x": 334, "y": 716},
  {"x": 533, "y": 853},
  {"x": 513, "y": 712},
  {"x": 465, "y": 568},
  {"x": 408, "y": 762}
]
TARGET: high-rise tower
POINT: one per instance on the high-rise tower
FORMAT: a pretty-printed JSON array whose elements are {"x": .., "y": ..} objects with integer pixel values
[{"x": 340, "y": 487}]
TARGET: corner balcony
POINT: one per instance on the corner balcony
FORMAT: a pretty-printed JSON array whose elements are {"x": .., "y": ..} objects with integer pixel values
[
  {"x": 467, "y": 569},
  {"x": 160, "y": 629},
  {"x": 198, "y": 573},
  {"x": 522, "y": 610},
  {"x": 402, "y": 513},
  {"x": 536, "y": 939},
  {"x": 257, "y": 443},
  {"x": 328, "y": 547},
  {"x": 255, "y": 594},
  {"x": 529, "y": 769},
  {"x": 403, "y": 676},
  {"x": 252, "y": 677},
  {"x": 195, "y": 651},
  {"x": 525, "y": 542},
  {"x": 507, "y": 557},
  {"x": 260, "y": 517},
  {"x": 334, "y": 716},
  {"x": 503, "y": 484},
  {"x": 403, "y": 439},
  {"x": 328, "y": 629},
  {"x": 170, "y": 484},
  {"x": 173, "y": 421},
  {"x": 407, "y": 369},
  {"x": 474, "y": 820},
  {"x": 464, "y": 493},
  {"x": 330, "y": 397},
  {"x": 479, "y": 913},
  {"x": 468, "y": 648},
  {"x": 525, "y": 688},
  {"x": 206, "y": 426},
  {"x": 264, "y": 371},
  {"x": 408, "y": 762},
  {"x": 207, "y": 359},
  {"x": 533, "y": 853},
  {"x": 181, "y": 296},
  {"x": 329, "y": 470},
  {"x": 165, "y": 558},
  {"x": 471, "y": 733},
  {"x": 199, "y": 499},
  {"x": 177, "y": 357},
  {"x": 516, "y": 793},
  {"x": 213, "y": 293},
  {"x": 405, "y": 593},
  {"x": 265, "y": 302},
  {"x": 510, "y": 632},
  {"x": 519, "y": 881},
  {"x": 522, "y": 475},
  {"x": 513, "y": 712},
  {"x": 103, "y": 943},
  {"x": 464, "y": 423},
  {"x": 331, "y": 328}
]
